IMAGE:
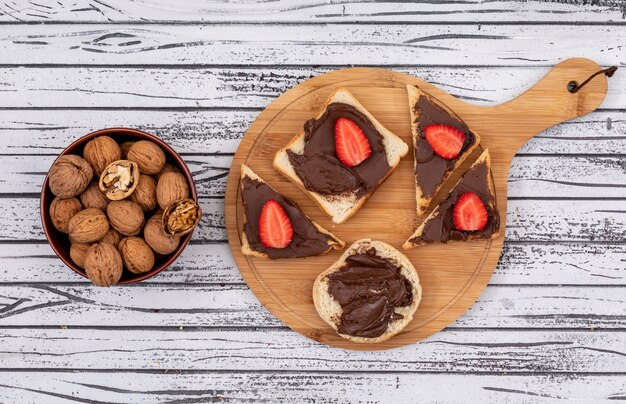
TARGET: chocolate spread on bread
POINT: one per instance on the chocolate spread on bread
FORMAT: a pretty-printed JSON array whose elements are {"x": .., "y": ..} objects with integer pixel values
[
  {"x": 442, "y": 229},
  {"x": 321, "y": 171},
  {"x": 369, "y": 289},
  {"x": 430, "y": 168},
  {"x": 307, "y": 240}
]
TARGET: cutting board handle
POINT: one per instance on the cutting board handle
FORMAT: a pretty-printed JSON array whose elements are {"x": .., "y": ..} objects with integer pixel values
[{"x": 549, "y": 102}]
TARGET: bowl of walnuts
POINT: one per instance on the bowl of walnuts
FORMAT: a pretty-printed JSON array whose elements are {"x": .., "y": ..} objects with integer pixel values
[{"x": 119, "y": 206}]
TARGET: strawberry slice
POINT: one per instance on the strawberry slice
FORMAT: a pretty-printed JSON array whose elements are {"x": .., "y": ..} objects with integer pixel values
[
  {"x": 350, "y": 143},
  {"x": 469, "y": 213},
  {"x": 275, "y": 230},
  {"x": 446, "y": 141}
]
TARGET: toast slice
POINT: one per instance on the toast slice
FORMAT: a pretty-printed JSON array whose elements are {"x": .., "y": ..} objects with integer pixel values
[
  {"x": 337, "y": 291},
  {"x": 431, "y": 170},
  {"x": 310, "y": 159},
  {"x": 439, "y": 226},
  {"x": 309, "y": 238}
]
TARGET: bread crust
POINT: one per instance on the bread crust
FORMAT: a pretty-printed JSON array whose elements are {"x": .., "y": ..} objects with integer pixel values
[
  {"x": 330, "y": 311},
  {"x": 484, "y": 158},
  {"x": 341, "y": 208},
  {"x": 413, "y": 95},
  {"x": 335, "y": 243}
]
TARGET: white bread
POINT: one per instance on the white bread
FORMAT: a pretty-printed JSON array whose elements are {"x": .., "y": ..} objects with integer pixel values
[
  {"x": 340, "y": 208},
  {"x": 414, "y": 94},
  {"x": 484, "y": 158},
  {"x": 330, "y": 311},
  {"x": 246, "y": 249}
]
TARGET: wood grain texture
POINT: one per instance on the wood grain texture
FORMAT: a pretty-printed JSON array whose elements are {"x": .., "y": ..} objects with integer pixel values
[
  {"x": 479, "y": 352},
  {"x": 295, "y": 44},
  {"x": 161, "y": 11},
  {"x": 283, "y": 286},
  {"x": 234, "y": 305},
  {"x": 242, "y": 87},
  {"x": 290, "y": 387}
]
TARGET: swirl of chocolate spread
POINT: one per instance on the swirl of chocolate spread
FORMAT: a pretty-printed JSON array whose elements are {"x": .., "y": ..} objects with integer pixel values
[
  {"x": 368, "y": 288},
  {"x": 320, "y": 169},
  {"x": 306, "y": 240},
  {"x": 429, "y": 167}
]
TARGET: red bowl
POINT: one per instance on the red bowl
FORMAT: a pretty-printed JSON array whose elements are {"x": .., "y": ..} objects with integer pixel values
[{"x": 60, "y": 242}]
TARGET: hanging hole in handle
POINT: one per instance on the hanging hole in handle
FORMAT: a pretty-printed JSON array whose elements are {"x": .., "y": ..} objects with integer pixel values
[{"x": 571, "y": 86}]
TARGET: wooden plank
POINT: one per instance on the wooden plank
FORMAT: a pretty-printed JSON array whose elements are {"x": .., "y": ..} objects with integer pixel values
[
  {"x": 159, "y": 11},
  {"x": 220, "y": 131},
  {"x": 530, "y": 176},
  {"x": 316, "y": 44},
  {"x": 237, "y": 87},
  {"x": 525, "y": 264},
  {"x": 283, "y": 350},
  {"x": 528, "y": 220},
  {"x": 234, "y": 305},
  {"x": 327, "y": 387}
]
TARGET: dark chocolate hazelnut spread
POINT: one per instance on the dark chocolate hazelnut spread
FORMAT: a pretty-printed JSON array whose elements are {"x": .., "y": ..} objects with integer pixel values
[
  {"x": 369, "y": 289},
  {"x": 307, "y": 240},
  {"x": 442, "y": 229},
  {"x": 429, "y": 167},
  {"x": 320, "y": 169}
]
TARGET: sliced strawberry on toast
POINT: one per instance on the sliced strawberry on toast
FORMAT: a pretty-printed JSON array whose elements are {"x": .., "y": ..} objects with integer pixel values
[
  {"x": 275, "y": 227},
  {"x": 441, "y": 140},
  {"x": 351, "y": 145},
  {"x": 469, "y": 212}
]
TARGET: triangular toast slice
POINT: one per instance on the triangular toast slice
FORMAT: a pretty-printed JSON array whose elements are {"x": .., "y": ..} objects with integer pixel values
[
  {"x": 310, "y": 160},
  {"x": 309, "y": 238},
  {"x": 439, "y": 226},
  {"x": 431, "y": 170}
]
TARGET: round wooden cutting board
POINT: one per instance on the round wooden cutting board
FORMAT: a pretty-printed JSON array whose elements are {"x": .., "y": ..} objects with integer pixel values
[{"x": 452, "y": 275}]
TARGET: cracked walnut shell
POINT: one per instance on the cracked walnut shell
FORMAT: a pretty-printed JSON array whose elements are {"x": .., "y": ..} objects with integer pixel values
[
  {"x": 62, "y": 210},
  {"x": 145, "y": 193},
  {"x": 119, "y": 179},
  {"x": 103, "y": 264},
  {"x": 156, "y": 238},
  {"x": 149, "y": 157},
  {"x": 100, "y": 152},
  {"x": 69, "y": 176},
  {"x": 136, "y": 254},
  {"x": 87, "y": 226},
  {"x": 126, "y": 217},
  {"x": 172, "y": 187},
  {"x": 181, "y": 217}
]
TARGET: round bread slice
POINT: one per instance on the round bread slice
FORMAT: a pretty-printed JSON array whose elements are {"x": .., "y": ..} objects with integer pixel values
[{"x": 330, "y": 310}]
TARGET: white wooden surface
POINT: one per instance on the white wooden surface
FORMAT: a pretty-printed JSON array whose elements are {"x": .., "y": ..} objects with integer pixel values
[{"x": 550, "y": 327}]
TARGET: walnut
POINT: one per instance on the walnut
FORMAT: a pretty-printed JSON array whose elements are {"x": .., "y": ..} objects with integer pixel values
[
  {"x": 126, "y": 217},
  {"x": 148, "y": 156},
  {"x": 100, "y": 152},
  {"x": 156, "y": 238},
  {"x": 119, "y": 179},
  {"x": 145, "y": 193},
  {"x": 181, "y": 217},
  {"x": 112, "y": 237},
  {"x": 69, "y": 176},
  {"x": 125, "y": 147},
  {"x": 171, "y": 187},
  {"x": 136, "y": 255},
  {"x": 103, "y": 264},
  {"x": 87, "y": 226},
  {"x": 62, "y": 210},
  {"x": 78, "y": 252},
  {"x": 167, "y": 168},
  {"x": 93, "y": 197}
]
